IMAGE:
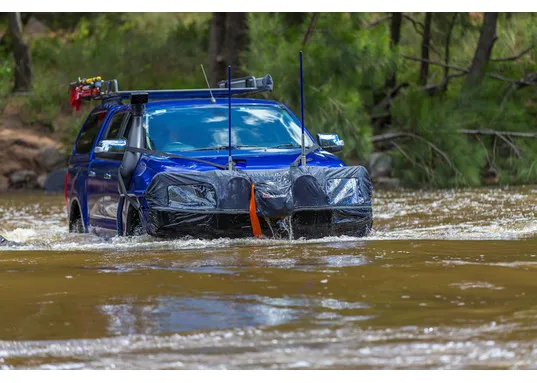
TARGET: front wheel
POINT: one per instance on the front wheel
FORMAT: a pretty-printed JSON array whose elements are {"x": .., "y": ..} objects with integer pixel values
[
  {"x": 76, "y": 226},
  {"x": 134, "y": 224}
]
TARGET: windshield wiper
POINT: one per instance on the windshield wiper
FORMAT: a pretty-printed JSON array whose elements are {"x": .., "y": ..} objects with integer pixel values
[
  {"x": 285, "y": 146},
  {"x": 233, "y": 147},
  {"x": 224, "y": 147}
]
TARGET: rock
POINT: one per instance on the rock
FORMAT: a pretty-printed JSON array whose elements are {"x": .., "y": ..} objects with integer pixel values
[
  {"x": 55, "y": 181},
  {"x": 387, "y": 183},
  {"x": 380, "y": 165},
  {"x": 50, "y": 158},
  {"x": 9, "y": 167},
  {"x": 41, "y": 180},
  {"x": 23, "y": 178},
  {"x": 23, "y": 150},
  {"x": 4, "y": 183}
]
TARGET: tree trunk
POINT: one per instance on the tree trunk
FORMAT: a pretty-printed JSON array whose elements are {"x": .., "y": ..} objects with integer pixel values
[
  {"x": 483, "y": 51},
  {"x": 395, "y": 37},
  {"x": 446, "y": 52},
  {"x": 217, "y": 61},
  {"x": 237, "y": 40},
  {"x": 424, "y": 70},
  {"x": 5, "y": 41},
  {"x": 381, "y": 113},
  {"x": 311, "y": 28},
  {"x": 21, "y": 54}
]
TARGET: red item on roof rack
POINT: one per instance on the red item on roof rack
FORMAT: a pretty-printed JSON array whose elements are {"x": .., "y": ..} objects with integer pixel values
[{"x": 85, "y": 89}]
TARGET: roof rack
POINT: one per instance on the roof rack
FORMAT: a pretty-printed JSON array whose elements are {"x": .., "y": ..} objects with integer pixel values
[{"x": 107, "y": 90}]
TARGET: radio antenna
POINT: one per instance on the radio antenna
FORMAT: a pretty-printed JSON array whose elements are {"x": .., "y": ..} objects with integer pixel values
[
  {"x": 230, "y": 159},
  {"x": 302, "y": 112},
  {"x": 208, "y": 85}
]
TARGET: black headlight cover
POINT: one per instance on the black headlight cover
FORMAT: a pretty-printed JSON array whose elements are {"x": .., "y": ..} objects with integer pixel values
[{"x": 195, "y": 196}]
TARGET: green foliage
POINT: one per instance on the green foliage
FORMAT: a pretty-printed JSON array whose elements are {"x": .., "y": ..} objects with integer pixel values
[
  {"x": 435, "y": 153},
  {"x": 347, "y": 61},
  {"x": 140, "y": 52},
  {"x": 338, "y": 61}
]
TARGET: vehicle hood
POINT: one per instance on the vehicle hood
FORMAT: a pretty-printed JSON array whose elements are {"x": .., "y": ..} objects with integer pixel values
[{"x": 257, "y": 159}]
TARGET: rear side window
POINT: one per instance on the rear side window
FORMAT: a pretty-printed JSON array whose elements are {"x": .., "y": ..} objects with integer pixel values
[
  {"x": 114, "y": 126},
  {"x": 89, "y": 132}
]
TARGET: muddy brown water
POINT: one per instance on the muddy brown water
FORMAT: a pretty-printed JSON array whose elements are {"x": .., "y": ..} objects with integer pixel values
[{"x": 448, "y": 279}]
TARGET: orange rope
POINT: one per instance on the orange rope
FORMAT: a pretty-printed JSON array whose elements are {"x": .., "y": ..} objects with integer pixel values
[{"x": 256, "y": 227}]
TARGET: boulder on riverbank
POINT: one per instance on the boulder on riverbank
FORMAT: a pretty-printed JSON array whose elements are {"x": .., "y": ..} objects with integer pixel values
[
  {"x": 380, "y": 165},
  {"x": 27, "y": 157},
  {"x": 380, "y": 170},
  {"x": 54, "y": 182}
]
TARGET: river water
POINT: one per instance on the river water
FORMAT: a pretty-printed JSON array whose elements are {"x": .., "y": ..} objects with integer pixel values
[{"x": 448, "y": 279}]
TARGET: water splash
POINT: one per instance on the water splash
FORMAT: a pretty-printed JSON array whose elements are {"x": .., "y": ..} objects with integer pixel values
[
  {"x": 287, "y": 226},
  {"x": 40, "y": 221}
]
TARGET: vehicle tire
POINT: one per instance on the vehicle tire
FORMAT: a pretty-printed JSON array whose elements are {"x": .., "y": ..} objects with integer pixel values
[
  {"x": 76, "y": 226},
  {"x": 137, "y": 230},
  {"x": 134, "y": 224}
]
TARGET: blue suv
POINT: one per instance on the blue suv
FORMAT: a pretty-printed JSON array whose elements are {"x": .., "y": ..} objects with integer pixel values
[{"x": 162, "y": 165}]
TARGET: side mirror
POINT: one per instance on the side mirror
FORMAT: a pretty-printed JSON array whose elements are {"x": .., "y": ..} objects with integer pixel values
[
  {"x": 330, "y": 142},
  {"x": 111, "y": 149}
]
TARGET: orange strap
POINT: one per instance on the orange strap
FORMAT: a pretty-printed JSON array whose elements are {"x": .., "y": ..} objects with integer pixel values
[{"x": 256, "y": 227}]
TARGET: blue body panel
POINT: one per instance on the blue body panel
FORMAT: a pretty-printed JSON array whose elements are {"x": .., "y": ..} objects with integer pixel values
[{"x": 97, "y": 195}]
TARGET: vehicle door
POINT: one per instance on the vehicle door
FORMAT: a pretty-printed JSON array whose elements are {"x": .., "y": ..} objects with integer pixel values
[
  {"x": 85, "y": 145},
  {"x": 105, "y": 167}
]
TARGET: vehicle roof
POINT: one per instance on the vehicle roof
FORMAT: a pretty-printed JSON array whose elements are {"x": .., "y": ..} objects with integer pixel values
[{"x": 190, "y": 102}]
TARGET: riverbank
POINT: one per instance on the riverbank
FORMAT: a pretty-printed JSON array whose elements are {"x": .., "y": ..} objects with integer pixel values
[{"x": 29, "y": 153}]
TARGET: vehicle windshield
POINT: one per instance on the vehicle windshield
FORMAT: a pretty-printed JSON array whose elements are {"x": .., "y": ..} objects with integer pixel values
[{"x": 199, "y": 128}]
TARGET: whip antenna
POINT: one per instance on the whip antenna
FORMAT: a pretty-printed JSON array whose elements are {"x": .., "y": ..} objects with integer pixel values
[
  {"x": 302, "y": 112},
  {"x": 230, "y": 159},
  {"x": 208, "y": 85}
]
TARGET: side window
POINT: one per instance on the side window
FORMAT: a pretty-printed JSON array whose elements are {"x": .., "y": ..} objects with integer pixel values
[
  {"x": 89, "y": 133},
  {"x": 114, "y": 126}
]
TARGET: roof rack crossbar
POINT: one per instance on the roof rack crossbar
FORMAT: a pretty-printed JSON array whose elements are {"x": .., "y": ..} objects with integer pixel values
[
  {"x": 108, "y": 90},
  {"x": 184, "y": 93}
]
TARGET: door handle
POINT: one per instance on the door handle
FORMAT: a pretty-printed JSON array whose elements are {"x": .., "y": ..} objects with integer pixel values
[
  {"x": 91, "y": 173},
  {"x": 107, "y": 176}
]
